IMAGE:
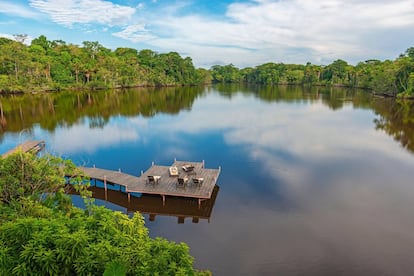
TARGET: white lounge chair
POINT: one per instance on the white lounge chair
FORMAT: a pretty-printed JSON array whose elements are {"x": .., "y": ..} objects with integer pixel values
[{"x": 188, "y": 168}]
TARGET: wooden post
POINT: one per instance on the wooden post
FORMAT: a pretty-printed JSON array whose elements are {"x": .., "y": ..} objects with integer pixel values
[
  {"x": 3, "y": 120},
  {"x": 129, "y": 197},
  {"x": 106, "y": 192},
  {"x": 21, "y": 112},
  {"x": 163, "y": 200},
  {"x": 199, "y": 203}
]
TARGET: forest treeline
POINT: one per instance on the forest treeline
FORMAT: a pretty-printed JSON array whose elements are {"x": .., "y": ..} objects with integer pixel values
[
  {"x": 54, "y": 65},
  {"x": 385, "y": 77}
]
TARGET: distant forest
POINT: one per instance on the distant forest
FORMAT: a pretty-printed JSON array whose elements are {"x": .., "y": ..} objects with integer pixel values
[
  {"x": 55, "y": 65},
  {"x": 392, "y": 78}
]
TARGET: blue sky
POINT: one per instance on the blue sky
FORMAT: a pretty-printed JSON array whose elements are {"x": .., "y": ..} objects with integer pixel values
[{"x": 245, "y": 33}]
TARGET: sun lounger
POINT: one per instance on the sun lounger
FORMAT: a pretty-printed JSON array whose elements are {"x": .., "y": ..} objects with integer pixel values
[{"x": 188, "y": 168}]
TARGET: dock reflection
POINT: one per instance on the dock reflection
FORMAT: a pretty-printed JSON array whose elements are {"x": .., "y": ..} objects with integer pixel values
[{"x": 152, "y": 205}]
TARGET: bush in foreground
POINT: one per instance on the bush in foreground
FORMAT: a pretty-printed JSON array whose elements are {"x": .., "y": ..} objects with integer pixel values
[{"x": 39, "y": 237}]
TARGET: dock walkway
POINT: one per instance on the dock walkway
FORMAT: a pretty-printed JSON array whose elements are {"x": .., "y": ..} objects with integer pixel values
[
  {"x": 197, "y": 183},
  {"x": 166, "y": 185},
  {"x": 28, "y": 146}
]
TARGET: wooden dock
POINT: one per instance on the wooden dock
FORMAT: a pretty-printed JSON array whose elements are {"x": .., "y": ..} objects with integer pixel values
[
  {"x": 199, "y": 182},
  {"x": 166, "y": 185},
  {"x": 28, "y": 146}
]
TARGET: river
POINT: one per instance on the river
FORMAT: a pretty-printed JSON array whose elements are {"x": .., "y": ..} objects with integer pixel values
[{"x": 313, "y": 181}]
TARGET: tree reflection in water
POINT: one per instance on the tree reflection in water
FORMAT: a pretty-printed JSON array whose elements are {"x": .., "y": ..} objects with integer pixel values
[{"x": 23, "y": 112}]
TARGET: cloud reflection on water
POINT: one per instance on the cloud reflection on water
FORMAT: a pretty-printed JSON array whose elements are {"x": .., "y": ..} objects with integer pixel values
[
  {"x": 81, "y": 137},
  {"x": 304, "y": 189},
  {"x": 346, "y": 183}
]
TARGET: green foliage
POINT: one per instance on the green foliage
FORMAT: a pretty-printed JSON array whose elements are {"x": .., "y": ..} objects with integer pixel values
[
  {"x": 115, "y": 268},
  {"x": 55, "y": 65},
  {"x": 226, "y": 74},
  {"x": 104, "y": 242},
  {"x": 389, "y": 77},
  {"x": 410, "y": 53},
  {"x": 41, "y": 233},
  {"x": 25, "y": 175},
  {"x": 410, "y": 87}
]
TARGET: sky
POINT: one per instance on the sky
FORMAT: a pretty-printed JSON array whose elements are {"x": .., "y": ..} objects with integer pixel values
[{"x": 244, "y": 33}]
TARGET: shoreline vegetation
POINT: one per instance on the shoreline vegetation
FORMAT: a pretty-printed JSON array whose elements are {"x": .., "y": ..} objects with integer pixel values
[
  {"x": 51, "y": 66},
  {"x": 42, "y": 233}
]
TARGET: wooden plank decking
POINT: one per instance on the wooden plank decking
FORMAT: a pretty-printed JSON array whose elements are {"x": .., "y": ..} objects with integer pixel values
[
  {"x": 28, "y": 146},
  {"x": 166, "y": 185}
]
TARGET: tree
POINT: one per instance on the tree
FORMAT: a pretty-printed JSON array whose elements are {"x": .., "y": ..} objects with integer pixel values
[
  {"x": 410, "y": 52},
  {"x": 384, "y": 78},
  {"x": 21, "y": 38},
  {"x": 226, "y": 74},
  {"x": 92, "y": 48},
  {"x": 404, "y": 67},
  {"x": 338, "y": 71},
  {"x": 42, "y": 42},
  {"x": 41, "y": 233},
  {"x": 23, "y": 175}
]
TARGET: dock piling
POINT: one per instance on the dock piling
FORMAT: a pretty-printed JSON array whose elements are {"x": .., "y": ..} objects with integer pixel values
[{"x": 106, "y": 190}]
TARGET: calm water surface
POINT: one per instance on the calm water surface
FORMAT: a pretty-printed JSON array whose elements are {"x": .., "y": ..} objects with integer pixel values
[{"x": 316, "y": 182}]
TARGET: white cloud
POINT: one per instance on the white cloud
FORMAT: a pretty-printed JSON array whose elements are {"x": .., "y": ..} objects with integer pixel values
[
  {"x": 17, "y": 10},
  {"x": 289, "y": 31},
  {"x": 135, "y": 33},
  {"x": 247, "y": 33},
  {"x": 69, "y": 12}
]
